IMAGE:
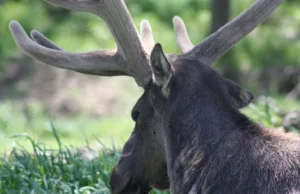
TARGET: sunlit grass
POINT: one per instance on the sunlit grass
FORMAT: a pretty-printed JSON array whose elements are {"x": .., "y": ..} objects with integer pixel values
[
  {"x": 41, "y": 169},
  {"x": 72, "y": 130},
  {"x": 64, "y": 170}
]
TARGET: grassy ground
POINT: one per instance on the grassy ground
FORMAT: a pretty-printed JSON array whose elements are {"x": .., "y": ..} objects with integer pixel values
[
  {"x": 35, "y": 160},
  {"x": 72, "y": 131}
]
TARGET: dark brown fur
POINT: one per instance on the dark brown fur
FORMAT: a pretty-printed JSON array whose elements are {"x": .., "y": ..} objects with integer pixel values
[{"x": 205, "y": 144}]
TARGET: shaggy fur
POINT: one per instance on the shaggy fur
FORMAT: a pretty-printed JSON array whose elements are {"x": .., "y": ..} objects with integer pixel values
[{"x": 205, "y": 144}]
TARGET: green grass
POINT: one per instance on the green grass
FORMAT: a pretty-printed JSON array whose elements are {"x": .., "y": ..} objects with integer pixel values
[
  {"x": 73, "y": 131},
  {"x": 64, "y": 170},
  {"x": 41, "y": 158},
  {"x": 54, "y": 171}
]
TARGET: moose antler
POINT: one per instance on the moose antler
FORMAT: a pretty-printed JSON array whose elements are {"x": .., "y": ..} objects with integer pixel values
[
  {"x": 130, "y": 58},
  {"x": 147, "y": 36},
  {"x": 220, "y": 42},
  {"x": 132, "y": 54},
  {"x": 43, "y": 40}
]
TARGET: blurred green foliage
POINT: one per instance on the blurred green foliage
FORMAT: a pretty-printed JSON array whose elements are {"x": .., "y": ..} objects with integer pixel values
[{"x": 276, "y": 42}]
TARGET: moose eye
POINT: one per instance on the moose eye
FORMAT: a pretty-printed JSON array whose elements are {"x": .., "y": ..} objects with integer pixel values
[{"x": 134, "y": 115}]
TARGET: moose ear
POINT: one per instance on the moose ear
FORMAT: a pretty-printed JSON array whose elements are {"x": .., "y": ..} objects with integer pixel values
[
  {"x": 161, "y": 69},
  {"x": 240, "y": 97}
]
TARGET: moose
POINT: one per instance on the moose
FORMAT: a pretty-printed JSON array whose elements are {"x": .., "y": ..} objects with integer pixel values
[{"x": 189, "y": 135}]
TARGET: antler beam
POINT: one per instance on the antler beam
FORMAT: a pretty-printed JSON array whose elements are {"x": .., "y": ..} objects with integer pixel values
[
  {"x": 80, "y": 62},
  {"x": 118, "y": 19}
]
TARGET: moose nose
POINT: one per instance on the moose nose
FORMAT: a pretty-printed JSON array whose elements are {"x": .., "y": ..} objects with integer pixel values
[
  {"x": 134, "y": 115},
  {"x": 119, "y": 180},
  {"x": 122, "y": 183}
]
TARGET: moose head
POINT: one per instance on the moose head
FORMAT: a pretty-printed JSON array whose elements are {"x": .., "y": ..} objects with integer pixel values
[{"x": 143, "y": 163}]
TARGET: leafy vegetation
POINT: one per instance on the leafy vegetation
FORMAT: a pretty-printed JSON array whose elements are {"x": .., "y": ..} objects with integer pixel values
[{"x": 55, "y": 171}]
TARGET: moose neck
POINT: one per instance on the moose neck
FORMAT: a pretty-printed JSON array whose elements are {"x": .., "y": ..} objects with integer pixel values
[
  {"x": 204, "y": 116},
  {"x": 198, "y": 128}
]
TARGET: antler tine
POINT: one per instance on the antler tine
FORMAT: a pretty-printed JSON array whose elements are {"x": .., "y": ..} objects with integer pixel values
[
  {"x": 147, "y": 36},
  {"x": 216, "y": 45},
  {"x": 43, "y": 40},
  {"x": 182, "y": 36},
  {"x": 81, "y": 62},
  {"x": 117, "y": 17}
]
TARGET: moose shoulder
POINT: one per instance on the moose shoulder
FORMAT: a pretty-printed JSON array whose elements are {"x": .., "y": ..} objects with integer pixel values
[{"x": 189, "y": 134}]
